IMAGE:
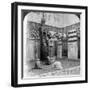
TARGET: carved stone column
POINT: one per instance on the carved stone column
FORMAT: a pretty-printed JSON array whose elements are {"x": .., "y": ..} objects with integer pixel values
[{"x": 59, "y": 50}]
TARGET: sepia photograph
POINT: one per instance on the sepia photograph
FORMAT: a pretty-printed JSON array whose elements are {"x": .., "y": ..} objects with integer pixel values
[{"x": 50, "y": 44}]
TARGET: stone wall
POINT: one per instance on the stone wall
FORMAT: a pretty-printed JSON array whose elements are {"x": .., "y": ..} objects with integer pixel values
[{"x": 72, "y": 50}]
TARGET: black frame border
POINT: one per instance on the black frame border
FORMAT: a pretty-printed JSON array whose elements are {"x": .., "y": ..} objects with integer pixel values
[{"x": 14, "y": 43}]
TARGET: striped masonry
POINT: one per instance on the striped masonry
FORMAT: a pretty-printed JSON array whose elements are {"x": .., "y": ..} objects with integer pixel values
[{"x": 72, "y": 35}]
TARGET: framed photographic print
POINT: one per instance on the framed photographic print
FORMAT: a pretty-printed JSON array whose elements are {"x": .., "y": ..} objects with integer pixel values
[{"x": 49, "y": 44}]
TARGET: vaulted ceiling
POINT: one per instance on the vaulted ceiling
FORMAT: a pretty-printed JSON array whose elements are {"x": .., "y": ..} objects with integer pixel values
[{"x": 54, "y": 19}]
